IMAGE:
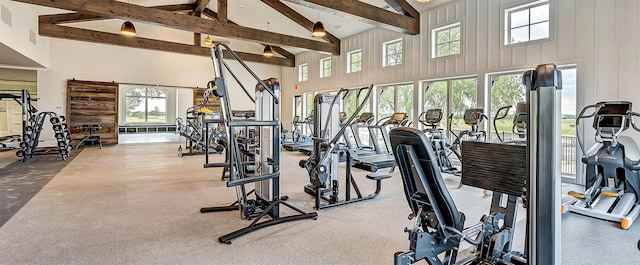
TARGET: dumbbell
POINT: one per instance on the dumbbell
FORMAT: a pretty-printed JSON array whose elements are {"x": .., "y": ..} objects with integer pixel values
[{"x": 20, "y": 153}]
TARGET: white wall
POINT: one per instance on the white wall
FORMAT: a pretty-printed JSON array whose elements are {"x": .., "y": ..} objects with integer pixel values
[
  {"x": 600, "y": 37},
  {"x": 16, "y": 36},
  {"x": 97, "y": 62},
  {"x": 184, "y": 101}
]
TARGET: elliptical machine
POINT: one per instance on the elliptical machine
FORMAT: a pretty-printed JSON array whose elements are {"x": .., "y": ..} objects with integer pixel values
[
  {"x": 441, "y": 146},
  {"x": 612, "y": 180}
]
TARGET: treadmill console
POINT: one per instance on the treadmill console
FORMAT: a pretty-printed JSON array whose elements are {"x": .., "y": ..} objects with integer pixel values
[{"x": 433, "y": 116}]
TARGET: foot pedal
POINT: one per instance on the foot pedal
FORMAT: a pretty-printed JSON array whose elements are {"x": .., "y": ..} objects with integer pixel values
[
  {"x": 610, "y": 193},
  {"x": 379, "y": 176},
  {"x": 576, "y": 195}
]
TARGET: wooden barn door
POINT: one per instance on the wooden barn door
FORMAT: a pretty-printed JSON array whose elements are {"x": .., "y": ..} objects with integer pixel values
[{"x": 89, "y": 103}]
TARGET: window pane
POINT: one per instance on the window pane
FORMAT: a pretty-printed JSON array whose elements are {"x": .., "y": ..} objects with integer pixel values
[
  {"x": 520, "y": 18},
  {"x": 540, "y": 13},
  {"x": 520, "y": 35},
  {"x": 156, "y": 92},
  {"x": 463, "y": 96},
  {"x": 356, "y": 67},
  {"x": 135, "y": 110},
  {"x": 443, "y": 50},
  {"x": 405, "y": 100},
  {"x": 455, "y": 34},
  {"x": 442, "y": 36},
  {"x": 508, "y": 90},
  {"x": 385, "y": 102},
  {"x": 436, "y": 98},
  {"x": 455, "y": 47},
  {"x": 157, "y": 110},
  {"x": 135, "y": 92},
  {"x": 540, "y": 31}
]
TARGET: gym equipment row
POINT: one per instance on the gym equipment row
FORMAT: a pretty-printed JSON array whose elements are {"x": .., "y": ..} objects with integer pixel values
[
  {"x": 612, "y": 164},
  {"x": 298, "y": 139},
  {"x": 265, "y": 200},
  {"x": 439, "y": 227},
  {"x": 323, "y": 163},
  {"x": 199, "y": 138}
]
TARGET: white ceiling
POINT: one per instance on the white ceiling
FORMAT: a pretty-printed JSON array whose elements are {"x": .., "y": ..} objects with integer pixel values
[{"x": 248, "y": 13}]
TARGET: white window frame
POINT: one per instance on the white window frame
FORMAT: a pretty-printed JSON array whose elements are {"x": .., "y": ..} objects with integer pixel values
[
  {"x": 322, "y": 68},
  {"x": 146, "y": 98},
  {"x": 434, "y": 39},
  {"x": 303, "y": 72},
  {"x": 385, "y": 56},
  {"x": 507, "y": 21},
  {"x": 349, "y": 54}
]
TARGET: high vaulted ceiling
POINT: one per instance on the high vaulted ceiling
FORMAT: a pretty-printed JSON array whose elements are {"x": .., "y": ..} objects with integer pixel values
[{"x": 181, "y": 25}]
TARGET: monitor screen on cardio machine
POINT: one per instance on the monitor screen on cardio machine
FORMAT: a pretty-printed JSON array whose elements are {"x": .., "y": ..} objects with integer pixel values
[
  {"x": 433, "y": 116},
  {"x": 399, "y": 117},
  {"x": 612, "y": 115},
  {"x": 472, "y": 116}
]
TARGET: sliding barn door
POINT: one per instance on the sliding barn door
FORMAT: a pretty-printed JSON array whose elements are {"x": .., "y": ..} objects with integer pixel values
[{"x": 89, "y": 103}]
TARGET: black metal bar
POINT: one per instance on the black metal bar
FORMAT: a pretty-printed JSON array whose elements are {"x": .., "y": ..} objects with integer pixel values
[
  {"x": 247, "y": 180},
  {"x": 239, "y": 83},
  {"x": 234, "y": 55}
]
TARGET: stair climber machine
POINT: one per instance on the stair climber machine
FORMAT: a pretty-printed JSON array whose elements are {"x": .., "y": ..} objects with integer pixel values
[
  {"x": 298, "y": 139},
  {"x": 439, "y": 228},
  {"x": 384, "y": 158},
  {"x": 612, "y": 164},
  {"x": 265, "y": 199},
  {"x": 439, "y": 140},
  {"x": 323, "y": 164}
]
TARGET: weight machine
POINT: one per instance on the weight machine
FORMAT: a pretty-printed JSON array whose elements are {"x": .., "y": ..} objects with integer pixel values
[{"x": 265, "y": 200}]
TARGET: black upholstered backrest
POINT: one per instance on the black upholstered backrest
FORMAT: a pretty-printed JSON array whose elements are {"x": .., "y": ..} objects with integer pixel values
[{"x": 423, "y": 183}]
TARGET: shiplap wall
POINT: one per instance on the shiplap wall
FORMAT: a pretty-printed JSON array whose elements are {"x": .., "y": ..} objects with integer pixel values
[{"x": 600, "y": 37}]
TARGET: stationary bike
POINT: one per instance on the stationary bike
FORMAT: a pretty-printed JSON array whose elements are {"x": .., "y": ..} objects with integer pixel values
[{"x": 612, "y": 164}]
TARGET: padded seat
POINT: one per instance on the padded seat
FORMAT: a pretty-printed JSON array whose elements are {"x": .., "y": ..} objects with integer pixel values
[{"x": 424, "y": 186}]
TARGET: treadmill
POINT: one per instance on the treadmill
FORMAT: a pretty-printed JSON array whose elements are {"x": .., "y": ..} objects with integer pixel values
[
  {"x": 385, "y": 159},
  {"x": 295, "y": 146}
]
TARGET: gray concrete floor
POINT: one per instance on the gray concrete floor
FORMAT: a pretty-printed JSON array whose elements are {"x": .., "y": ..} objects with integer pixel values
[{"x": 138, "y": 204}]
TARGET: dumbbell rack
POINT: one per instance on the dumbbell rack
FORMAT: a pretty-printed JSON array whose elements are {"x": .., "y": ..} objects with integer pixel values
[{"x": 32, "y": 132}]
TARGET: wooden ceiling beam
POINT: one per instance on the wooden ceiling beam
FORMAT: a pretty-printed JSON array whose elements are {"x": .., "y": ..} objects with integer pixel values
[
  {"x": 79, "y": 17},
  {"x": 213, "y": 15},
  {"x": 65, "y": 32},
  {"x": 222, "y": 11},
  {"x": 298, "y": 18},
  {"x": 201, "y": 5},
  {"x": 121, "y": 10},
  {"x": 403, "y": 8},
  {"x": 366, "y": 13}
]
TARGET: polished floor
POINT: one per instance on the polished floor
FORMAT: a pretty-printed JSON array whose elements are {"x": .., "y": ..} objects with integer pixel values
[{"x": 139, "y": 204}]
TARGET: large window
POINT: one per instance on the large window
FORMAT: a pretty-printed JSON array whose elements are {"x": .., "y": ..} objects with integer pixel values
[
  {"x": 453, "y": 97},
  {"x": 392, "y": 53},
  {"x": 527, "y": 22},
  {"x": 325, "y": 67},
  {"x": 146, "y": 105},
  {"x": 394, "y": 98},
  {"x": 506, "y": 90},
  {"x": 354, "y": 61},
  {"x": 446, "y": 40},
  {"x": 303, "y": 72}
]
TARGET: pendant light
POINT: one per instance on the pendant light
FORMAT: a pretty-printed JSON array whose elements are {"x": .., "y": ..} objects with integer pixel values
[
  {"x": 267, "y": 52},
  {"x": 423, "y": 1},
  {"x": 318, "y": 29},
  {"x": 127, "y": 29}
]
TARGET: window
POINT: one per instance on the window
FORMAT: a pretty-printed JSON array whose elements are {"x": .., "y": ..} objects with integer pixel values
[
  {"x": 394, "y": 98},
  {"x": 527, "y": 22},
  {"x": 453, "y": 97},
  {"x": 325, "y": 67},
  {"x": 392, "y": 53},
  {"x": 354, "y": 61},
  {"x": 303, "y": 72},
  {"x": 145, "y": 105},
  {"x": 446, "y": 40}
]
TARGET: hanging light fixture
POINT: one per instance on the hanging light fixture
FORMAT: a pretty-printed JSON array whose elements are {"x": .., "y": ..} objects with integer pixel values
[
  {"x": 267, "y": 52},
  {"x": 208, "y": 41},
  {"x": 318, "y": 29},
  {"x": 423, "y": 1},
  {"x": 127, "y": 29}
]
